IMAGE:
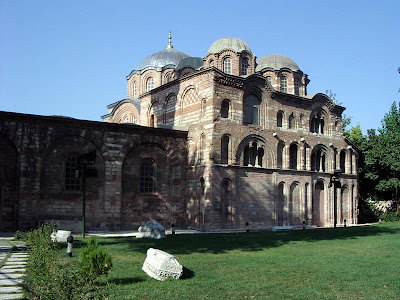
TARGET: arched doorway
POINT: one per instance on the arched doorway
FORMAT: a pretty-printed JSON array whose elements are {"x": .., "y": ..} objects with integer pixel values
[
  {"x": 295, "y": 205},
  {"x": 226, "y": 209},
  {"x": 8, "y": 186},
  {"x": 319, "y": 213},
  {"x": 344, "y": 207},
  {"x": 280, "y": 204}
]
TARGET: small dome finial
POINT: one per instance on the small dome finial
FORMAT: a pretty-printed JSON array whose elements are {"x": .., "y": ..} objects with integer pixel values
[{"x": 169, "y": 41}]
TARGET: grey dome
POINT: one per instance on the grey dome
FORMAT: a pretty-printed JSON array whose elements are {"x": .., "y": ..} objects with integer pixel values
[
  {"x": 276, "y": 62},
  {"x": 162, "y": 58},
  {"x": 228, "y": 43},
  {"x": 191, "y": 62}
]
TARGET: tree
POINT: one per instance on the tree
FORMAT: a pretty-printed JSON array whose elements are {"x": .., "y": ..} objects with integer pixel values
[
  {"x": 346, "y": 120},
  {"x": 356, "y": 136},
  {"x": 382, "y": 154}
]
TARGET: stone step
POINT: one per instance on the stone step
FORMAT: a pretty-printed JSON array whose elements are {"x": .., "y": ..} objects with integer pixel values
[
  {"x": 15, "y": 263},
  {"x": 11, "y": 270},
  {"x": 11, "y": 296},
  {"x": 11, "y": 276},
  {"x": 10, "y": 290},
  {"x": 10, "y": 282},
  {"x": 13, "y": 266},
  {"x": 17, "y": 259}
]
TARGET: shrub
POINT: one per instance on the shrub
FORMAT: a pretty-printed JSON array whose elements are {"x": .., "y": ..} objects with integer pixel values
[
  {"x": 391, "y": 217},
  {"x": 20, "y": 236},
  {"x": 94, "y": 261},
  {"x": 46, "y": 278}
]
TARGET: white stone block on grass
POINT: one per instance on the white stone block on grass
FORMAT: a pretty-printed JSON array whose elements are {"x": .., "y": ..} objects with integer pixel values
[
  {"x": 152, "y": 229},
  {"x": 160, "y": 265},
  {"x": 282, "y": 228},
  {"x": 60, "y": 236}
]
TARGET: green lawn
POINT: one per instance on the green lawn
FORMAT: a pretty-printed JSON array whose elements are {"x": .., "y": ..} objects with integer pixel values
[{"x": 342, "y": 263}]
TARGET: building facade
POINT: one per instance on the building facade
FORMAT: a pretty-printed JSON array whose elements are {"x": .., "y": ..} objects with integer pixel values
[{"x": 215, "y": 142}]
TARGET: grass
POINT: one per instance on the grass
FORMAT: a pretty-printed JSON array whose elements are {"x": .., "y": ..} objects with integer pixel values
[{"x": 342, "y": 263}]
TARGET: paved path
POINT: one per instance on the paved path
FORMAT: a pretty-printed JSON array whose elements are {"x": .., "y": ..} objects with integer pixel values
[{"x": 12, "y": 269}]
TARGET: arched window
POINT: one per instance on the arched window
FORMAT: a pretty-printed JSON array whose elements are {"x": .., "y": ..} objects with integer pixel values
[
  {"x": 202, "y": 187},
  {"x": 253, "y": 155},
  {"x": 134, "y": 89},
  {"x": 291, "y": 121},
  {"x": 228, "y": 65},
  {"x": 203, "y": 107},
  {"x": 245, "y": 66},
  {"x": 279, "y": 119},
  {"x": 317, "y": 124},
  {"x": 343, "y": 161},
  {"x": 150, "y": 84},
  {"x": 269, "y": 79},
  {"x": 202, "y": 147},
  {"x": 147, "y": 177},
  {"x": 152, "y": 121},
  {"x": 224, "y": 149},
  {"x": 293, "y": 157},
  {"x": 211, "y": 63},
  {"x": 225, "y": 109},
  {"x": 318, "y": 160},
  {"x": 168, "y": 78},
  {"x": 251, "y": 109},
  {"x": 296, "y": 87},
  {"x": 260, "y": 156},
  {"x": 284, "y": 84},
  {"x": 126, "y": 120},
  {"x": 72, "y": 181},
  {"x": 279, "y": 162}
]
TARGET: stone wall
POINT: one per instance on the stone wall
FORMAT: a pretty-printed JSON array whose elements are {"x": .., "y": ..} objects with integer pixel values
[{"x": 33, "y": 155}]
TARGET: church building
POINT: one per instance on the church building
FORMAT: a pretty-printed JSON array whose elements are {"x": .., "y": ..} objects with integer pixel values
[{"x": 220, "y": 142}]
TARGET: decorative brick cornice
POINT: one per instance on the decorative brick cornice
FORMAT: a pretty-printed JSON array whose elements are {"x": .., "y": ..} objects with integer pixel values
[
  {"x": 64, "y": 122},
  {"x": 229, "y": 81}
]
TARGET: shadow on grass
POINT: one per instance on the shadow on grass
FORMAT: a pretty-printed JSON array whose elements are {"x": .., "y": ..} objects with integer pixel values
[
  {"x": 252, "y": 241},
  {"x": 126, "y": 280},
  {"x": 187, "y": 274}
]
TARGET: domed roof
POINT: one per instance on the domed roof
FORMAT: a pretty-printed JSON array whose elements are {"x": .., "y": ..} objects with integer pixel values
[
  {"x": 191, "y": 62},
  {"x": 276, "y": 62},
  {"x": 162, "y": 58},
  {"x": 228, "y": 43}
]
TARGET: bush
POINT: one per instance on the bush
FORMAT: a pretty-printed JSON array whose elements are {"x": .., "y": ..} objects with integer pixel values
[
  {"x": 94, "y": 261},
  {"x": 46, "y": 278},
  {"x": 21, "y": 236},
  {"x": 391, "y": 217}
]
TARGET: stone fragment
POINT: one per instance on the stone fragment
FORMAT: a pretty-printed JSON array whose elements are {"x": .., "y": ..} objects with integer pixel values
[
  {"x": 152, "y": 229},
  {"x": 160, "y": 265},
  {"x": 282, "y": 228},
  {"x": 60, "y": 236}
]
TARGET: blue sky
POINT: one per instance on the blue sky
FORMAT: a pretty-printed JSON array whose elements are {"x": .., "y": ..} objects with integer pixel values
[{"x": 72, "y": 57}]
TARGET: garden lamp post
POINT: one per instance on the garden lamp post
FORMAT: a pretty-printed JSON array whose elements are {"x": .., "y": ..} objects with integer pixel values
[{"x": 335, "y": 182}]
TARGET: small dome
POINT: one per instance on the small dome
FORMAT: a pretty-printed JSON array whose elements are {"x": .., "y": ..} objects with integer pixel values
[
  {"x": 228, "y": 43},
  {"x": 276, "y": 62},
  {"x": 162, "y": 58},
  {"x": 191, "y": 62}
]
